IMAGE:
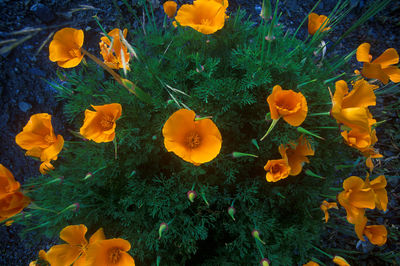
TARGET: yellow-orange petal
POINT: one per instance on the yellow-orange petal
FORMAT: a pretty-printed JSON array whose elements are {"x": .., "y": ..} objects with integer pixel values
[
  {"x": 377, "y": 234},
  {"x": 362, "y": 53},
  {"x": 52, "y": 151},
  {"x": 316, "y": 22},
  {"x": 393, "y": 72},
  {"x": 34, "y": 132},
  {"x": 387, "y": 58},
  {"x": 374, "y": 71},
  {"x": 311, "y": 263},
  {"x": 109, "y": 252},
  {"x": 73, "y": 62},
  {"x": 62, "y": 255},
  {"x": 98, "y": 235},
  {"x": 12, "y": 203},
  {"x": 362, "y": 95},
  {"x": 271, "y": 102},
  {"x": 170, "y": 8},
  {"x": 74, "y": 234},
  {"x": 359, "y": 226},
  {"x": 7, "y": 181},
  {"x": 46, "y": 167},
  {"x": 340, "y": 261}
]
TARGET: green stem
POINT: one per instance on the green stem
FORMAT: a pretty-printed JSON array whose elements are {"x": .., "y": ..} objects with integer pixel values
[
  {"x": 320, "y": 114},
  {"x": 274, "y": 121},
  {"x": 323, "y": 252}
]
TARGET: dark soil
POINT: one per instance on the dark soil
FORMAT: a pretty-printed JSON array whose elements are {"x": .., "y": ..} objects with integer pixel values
[{"x": 23, "y": 91}]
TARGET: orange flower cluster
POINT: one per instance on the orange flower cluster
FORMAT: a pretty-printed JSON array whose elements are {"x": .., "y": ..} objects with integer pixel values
[
  {"x": 359, "y": 195},
  {"x": 114, "y": 53},
  {"x": 38, "y": 138},
  {"x": 351, "y": 110},
  {"x": 317, "y": 22},
  {"x": 293, "y": 158},
  {"x": 194, "y": 140},
  {"x": 78, "y": 251},
  {"x": 12, "y": 201},
  {"x": 382, "y": 68},
  {"x": 205, "y": 16}
]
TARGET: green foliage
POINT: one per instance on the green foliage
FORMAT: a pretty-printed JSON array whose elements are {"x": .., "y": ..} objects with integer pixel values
[{"x": 227, "y": 75}]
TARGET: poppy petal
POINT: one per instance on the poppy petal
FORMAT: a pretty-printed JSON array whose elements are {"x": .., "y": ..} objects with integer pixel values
[
  {"x": 387, "y": 58},
  {"x": 362, "y": 95},
  {"x": 98, "y": 235},
  {"x": 53, "y": 150},
  {"x": 393, "y": 72},
  {"x": 359, "y": 226},
  {"x": 374, "y": 71},
  {"x": 377, "y": 234},
  {"x": 73, "y": 62},
  {"x": 363, "y": 53},
  {"x": 62, "y": 255},
  {"x": 74, "y": 235}
]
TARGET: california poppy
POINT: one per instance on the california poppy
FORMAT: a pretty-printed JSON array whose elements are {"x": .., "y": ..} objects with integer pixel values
[
  {"x": 65, "y": 48},
  {"x": 360, "y": 139},
  {"x": 325, "y": 206},
  {"x": 378, "y": 186},
  {"x": 311, "y": 263},
  {"x": 170, "y": 8},
  {"x": 109, "y": 252},
  {"x": 99, "y": 125},
  {"x": 351, "y": 108},
  {"x": 290, "y": 105},
  {"x": 194, "y": 141},
  {"x": 340, "y": 261},
  {"x": 205, "y": 16},
  {"x": 297, "y": 154},
  {"x": 355, "y": 198},
  {"x": 38, "y": 138},
  {"x": 75, "y": 249},
  {"x": 277, "y": 169},
  {"x": 382, "y": 68},
  {"x": 115, "y": 56},
  {"x": 7, "y": 182},
  {"x": 377, "y": 234},
  {"x": 316, "y": 22}
]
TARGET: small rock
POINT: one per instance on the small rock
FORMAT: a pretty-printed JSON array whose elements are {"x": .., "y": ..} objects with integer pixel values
[
  {"x": 24, "y": 107},
  {"x": 42, "y": 12},
  {"x": 37, "y": 72}
]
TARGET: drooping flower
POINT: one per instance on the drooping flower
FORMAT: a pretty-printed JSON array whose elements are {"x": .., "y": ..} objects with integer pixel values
[
  {"x": 377, "y": 234},
  {"x": 170, "y": 8},
  {"x": 325, "y": 206},
  {"x": 277, "y": 169},
  {"x": 114, "y": 53},
  {"x": 38, "y": 138},
  {"x": 383, "y": 67},
  {"x": 355, "y": 198},
  {"x": 46, "y": 167},
  {"x": 316, "y": 22},
  {"x": 205, "y": 16},
  {"x": 12, "y": 201},
  {"x": 296, "y": 154},
  {"x": 65, "y": 48},
  {"x": 109, "y": 252},
  {"x": 340, "y": 261},
  {"x": 351, "y": 109},
  {"x": 75, "y": 251},
  {"x": 290, "y": 105},
  {"x": 194, "y": 141},
  {"x": 99, "y": 125}
]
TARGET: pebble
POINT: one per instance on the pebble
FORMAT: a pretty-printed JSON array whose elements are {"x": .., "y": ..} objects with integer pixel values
[
  {"x": 42, "y": 12},
  {"x": 24, "y": 106}
]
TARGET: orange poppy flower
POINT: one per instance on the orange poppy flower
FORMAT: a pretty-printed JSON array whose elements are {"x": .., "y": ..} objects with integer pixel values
[
  {"x": 378, "y": 186},
  {"x": 311, "y": 263},
  {"x": 204, "y": 16},
  {"x": 11, "y": 200},
  {"x": 340, "y": 261},
  {"x": 290, "y": 105},
  {"x": 277, "y": 169},
  {"x": 194, "y": 141},
  {"x": 113, "y": 55},
  {"x": 360, "y": 139},
  {"x": 377, "y": 234},
  {"x": 297, "y": 154},
  {"x": 355, "y": 198},
  {"x": 382, "y": 68},
  {"x": 38, "y": 138},
  {"x": 110, "y": 252},
  {"x": 351, "y": 109},
  {"x": 75, "y": 249},
  {"x": 170, "y": 8},
  {"x": 65, "y": 48},
  {"x": 99, "y": 125},
  {"x": 316, "y": 22},
  {"x": 325, "y": 206}
]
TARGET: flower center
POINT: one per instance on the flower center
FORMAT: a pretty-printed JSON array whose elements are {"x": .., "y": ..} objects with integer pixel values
[
  {"x": 107, "y": 122},
  {"x": 75, "y": 52},
  {"x": 275, "y": 168},
  {"x": 193, "y": 140},
  {"x": 50, "y": 139},
  {"x": 114, "y": 255},
  {"x": 205, "y": 21}
]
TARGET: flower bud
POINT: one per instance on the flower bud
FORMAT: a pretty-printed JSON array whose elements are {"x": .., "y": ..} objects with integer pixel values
[
  {"x": 264, "y": 262},
  {"x": 231, "y": 212},
  {"x": 88, "y": 175},
  {"x": 256, "y": 234},
  {"x": 163, "y": 227},
  {"x": 191, "y": 194}
]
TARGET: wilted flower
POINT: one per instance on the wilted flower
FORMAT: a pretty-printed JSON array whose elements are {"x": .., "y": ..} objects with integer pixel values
[
  {"x": 194, "y": 141},
  {"x": 170, "y": 8},
  {"x": 38, "y": 138},
  {"x": 114, "y": 53},
  {"x": 205, "y": 16},
  {"x": 99, "y": 125},
  {"x": 325, "y": 206},
  {"x": 65, "y": 48},
  {"x": 382, "y": 68},
  {"x": 290, "y": 105},
  {"x": 316, "y": 22}
]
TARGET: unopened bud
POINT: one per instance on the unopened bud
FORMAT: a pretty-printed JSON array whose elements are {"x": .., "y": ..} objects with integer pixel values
[
  {"x": 231, "y": 212},
  {"x": 264, "y": 262},
  {"x": 201, "y": 69},
  {"x": 163, "y": 227},
  {"x": 270, "y": 38},
  {"x": 256, "y": 234},
  {"x": 88, "y": 175},
  {"x": 191, "y": 194}
]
